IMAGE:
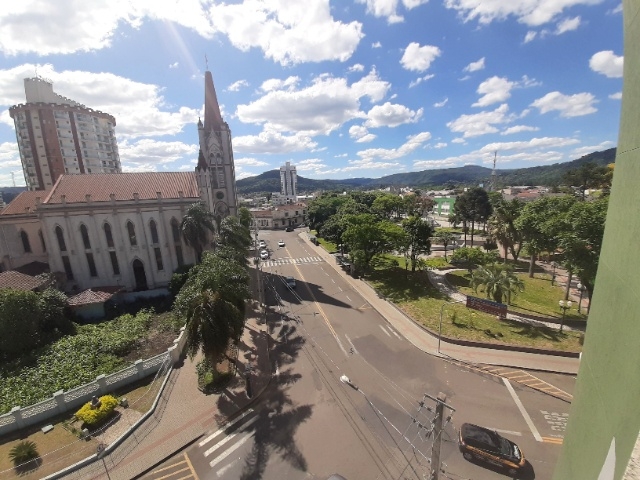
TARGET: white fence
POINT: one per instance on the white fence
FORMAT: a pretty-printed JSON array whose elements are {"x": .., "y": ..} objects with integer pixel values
[{"x": 62, "y": 401}]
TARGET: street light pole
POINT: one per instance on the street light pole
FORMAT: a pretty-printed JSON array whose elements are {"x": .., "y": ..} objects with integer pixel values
[
  {"x": 553, "y": 275},
  {"x": 564, "y": 305},
  {"x": 582, "y": 289}
]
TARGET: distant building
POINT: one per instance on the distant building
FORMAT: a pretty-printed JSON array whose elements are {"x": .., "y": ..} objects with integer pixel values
[
  {"x": 288, "y": 181},
  {"x": 279, "y": 218},
  {"x": 57, "y": 135}
]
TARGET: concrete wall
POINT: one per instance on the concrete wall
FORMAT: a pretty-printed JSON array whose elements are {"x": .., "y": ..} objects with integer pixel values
[{"x": 604, "y": 421}]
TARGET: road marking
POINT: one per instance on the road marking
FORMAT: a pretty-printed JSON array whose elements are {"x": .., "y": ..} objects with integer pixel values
[
  {"x": 524, "y": 413},
  {"x": 333, "y": 280},
  {"x": 394, "y": 332},
  {"x": 506, "y": 432},
  {"x": 554, "y": 440},
  {"x": 355, "y": 350},
  {"x": 227, "y": 439},
  {"x": 365, "y": 306},
  {"x": 225, "y": 454},
  {"x": 193, "y": 472},
  {"x": 224, "y": 470},
  {"x": 224, "y": 427},
  {"x": 348, "y": 298},
  {"x": 384, "y": 330},
  {"x": 340, "y": 288}
]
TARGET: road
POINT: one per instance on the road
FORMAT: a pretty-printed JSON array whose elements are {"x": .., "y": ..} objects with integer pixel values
[{"x": 309, "y": 424}]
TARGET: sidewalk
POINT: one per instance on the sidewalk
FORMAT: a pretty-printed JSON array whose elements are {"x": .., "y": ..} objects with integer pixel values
[
  {"x": 183, "y": 413},
  {"x": 428, "y": 342}
]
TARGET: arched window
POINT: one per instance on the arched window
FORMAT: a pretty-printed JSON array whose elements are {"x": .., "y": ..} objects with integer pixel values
[
  {"x": 154, "y": 232},
  {"x": 60, "y": 237},
  {"x": 131, "y": 230},
  {"x": 44, "y": 245},
  {"x": 108, "y": 235},
  {"x": 85, "y": 237},
  {"x": 175, "y": 230},
  {"x": 25, "y": 241}
]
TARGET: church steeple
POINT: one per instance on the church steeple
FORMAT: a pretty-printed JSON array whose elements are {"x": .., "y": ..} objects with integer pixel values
[
  {"x": 212, "y": 117},
  {"x": 202, "y": 163}
]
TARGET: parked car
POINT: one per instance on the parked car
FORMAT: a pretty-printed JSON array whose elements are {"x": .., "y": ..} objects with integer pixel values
[
  {"x": 288, "y": 229},
  {"x": 479, "y": 443},
  {"x": 264, "y": 255},
  {"x": 281, "y": 243},
  {"x": 291, "y": 282},
  {"x": 263, "y": 244}
]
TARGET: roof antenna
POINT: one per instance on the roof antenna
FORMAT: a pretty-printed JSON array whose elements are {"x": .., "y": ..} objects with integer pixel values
[{"x": 493, "y": 173}]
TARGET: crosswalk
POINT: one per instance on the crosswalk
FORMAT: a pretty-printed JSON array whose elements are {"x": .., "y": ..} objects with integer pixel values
[{"x": 273, "y": 262}]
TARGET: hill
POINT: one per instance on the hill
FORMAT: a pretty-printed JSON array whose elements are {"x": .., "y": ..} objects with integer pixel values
[{"x": 548, "y": 175}]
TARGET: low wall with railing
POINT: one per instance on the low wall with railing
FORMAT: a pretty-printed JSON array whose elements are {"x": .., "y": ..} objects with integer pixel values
[{"x": 62, "y": 402}]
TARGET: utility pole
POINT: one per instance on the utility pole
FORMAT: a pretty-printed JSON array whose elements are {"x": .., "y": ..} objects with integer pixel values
[
  {"x": 494, "y": 183},
  {"x": 437, "y": 436}
]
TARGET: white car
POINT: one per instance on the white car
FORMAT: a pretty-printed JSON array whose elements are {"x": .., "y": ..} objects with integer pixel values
[
  {"x": 263, "y": 244},
  {"x": 264, "y": 255},
  {"x": 281, "y": 243}
]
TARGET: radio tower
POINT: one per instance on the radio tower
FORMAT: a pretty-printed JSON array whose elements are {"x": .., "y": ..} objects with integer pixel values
[
  {"x": 13, "y": 177},
  {"x": 493, "y": 173}
]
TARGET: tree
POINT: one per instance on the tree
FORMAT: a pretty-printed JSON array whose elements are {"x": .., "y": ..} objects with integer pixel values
[
  {"x": 323, "y": 207},
  {"x": 234, "y": 234},
  {"x": 502, "y": 226},
  {"x": 473, "y": 206},
  {"x": 588, "y": 175},
  {"x": 212, "y": 303},
  {"x": 472, "y": 257},
  {"x": 418, "y": 233},
  {"x": 446, "y": 238},
  {"x": 366, "y": 237},
  {"x": 196, "y": 226},
  {"x": 19, "y": 322},
  {"x": 53, "y": 309},
  {"x": 499, "y": 282},
  {"x": 418, "y": 206},
  {"x": 388, "y": 205},
  {"x": 244, "y": 217}
]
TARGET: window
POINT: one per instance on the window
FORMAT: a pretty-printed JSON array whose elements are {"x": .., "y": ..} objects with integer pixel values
[
  {"x": 154, "y": 232},
  {"x": 114, "y": 263},
  {"x": 179, "y": 256},
  {"x": 175, "y": 230},
  {"x": 25, "y": 241},
  {"x": 92, "y": 265},
  {"x": 158, "y": 258},
  {"x": 67, "y": 267},
  {"x": 61, "y": 244},
  {"x": 221, "y": 179},
  {"x": 44, "y": 245},
  {"x": 132, "y": 234},
  {"x": 85, "y": 237},
  {"x": 108, "y": 235}
]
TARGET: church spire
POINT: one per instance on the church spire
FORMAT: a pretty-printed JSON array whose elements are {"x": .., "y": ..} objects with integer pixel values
[
  {"x": 212, "y": 117},
  {"x": 202, "y": 163}
]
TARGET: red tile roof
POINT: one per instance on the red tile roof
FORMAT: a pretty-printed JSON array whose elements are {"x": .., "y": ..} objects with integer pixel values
[
  {"x": 123, "y": 186},
  {"x": 24, "y": 203},
  {"x": 20, "y": 281},
  {"x": 88, "y": 297}
]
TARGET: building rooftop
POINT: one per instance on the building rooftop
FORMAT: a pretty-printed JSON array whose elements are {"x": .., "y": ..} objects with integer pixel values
[
  {"x": 20, "y": 281},
  {"x": 89, "y": 296},
  {"x": 25, "y": 203}
]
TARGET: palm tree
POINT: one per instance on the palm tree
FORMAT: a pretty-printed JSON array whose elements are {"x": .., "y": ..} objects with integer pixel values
[
  {"x": 502, "y": 226},
  {"x": 195, "y": 227},
  {"x": 499, "y": 282},
  {"x": 445, "y": 238},
  {"x": 212, "y": 303}
]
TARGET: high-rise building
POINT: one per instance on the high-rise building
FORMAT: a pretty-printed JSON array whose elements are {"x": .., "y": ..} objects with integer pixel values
[
  {"x": 57, "y": 135},
  {"x": 288, "y": 180}
]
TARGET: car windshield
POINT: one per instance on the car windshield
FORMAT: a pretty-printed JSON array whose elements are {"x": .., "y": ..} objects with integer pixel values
[{"x": 505, "y": 446}]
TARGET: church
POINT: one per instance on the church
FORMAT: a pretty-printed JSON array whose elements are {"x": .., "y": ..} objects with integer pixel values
[{"x": 120, "y": 229}]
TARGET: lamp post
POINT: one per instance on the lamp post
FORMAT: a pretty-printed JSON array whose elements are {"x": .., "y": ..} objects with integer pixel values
[
  {"x": 582, "y": 288},
  {"x": 564, "y": 306},
  {"x": 553, "y": 274}
]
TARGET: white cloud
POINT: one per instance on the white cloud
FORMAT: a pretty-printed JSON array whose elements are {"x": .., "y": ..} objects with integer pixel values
[
  {"x": 376, "y": 45},
  {"x": 369, "y": 164},
  {"x": 531, "y": 12},
  {"x": 419, "y": 80},
  {"x": 530, "y": 36},
  {"x": 9, "y": 155},
  {"x": 361, "y": 134},
  {"x": 567, "y": 25},
  {"x": 413, "y": 142},
  {"x": 235, "y": 86},
  {"x": 147, "y": 152},
  {"x": 518, "y": 129},
  {"x": 391, "y": 115},
  {"x": 442, "y": 103},
  {"x": 459, "y": 140},
  {"x": 494, "y": 90},
  {"x": 616, "y": 10},
  {"x": 434, "y": 164},
  {"x": 277, "y": 84},
  {"x": 481, "y": 123},
  {"x": 319, "y": 108},
  {"x": 474, "y": 66},
  {"x": 358, "y": 67},
  {"x": 440, "y": 145},
  {"x": 310, "y": 164},
  {"x": 607, "y": 63},
  {"x": 249, "y": 162},
  {"x": 272, "y": 142},
  {"x": 616, "y": 96},
  {"x": 417, "y": 58},
  {"x": 287, "y": 32},
  {"x": 582, "y": 151},
  {"x": 568, "y": 105},
  {"x": 174, "y": 65},
  {"x": 534, "y": 143},
  {"x": 389, "y": 8}
]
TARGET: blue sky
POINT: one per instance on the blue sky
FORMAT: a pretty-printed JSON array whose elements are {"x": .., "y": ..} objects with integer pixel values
[{"x": 344, "y": 88}]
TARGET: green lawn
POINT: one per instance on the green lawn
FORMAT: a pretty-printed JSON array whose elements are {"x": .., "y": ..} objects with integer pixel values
[{"x": 539, "y": 297}]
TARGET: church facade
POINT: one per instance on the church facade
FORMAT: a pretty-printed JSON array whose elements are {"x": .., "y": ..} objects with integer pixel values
[{"x": 121, "y": 229}]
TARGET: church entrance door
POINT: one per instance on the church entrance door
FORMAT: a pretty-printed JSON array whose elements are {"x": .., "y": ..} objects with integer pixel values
[{"x": 140, "y": 275}]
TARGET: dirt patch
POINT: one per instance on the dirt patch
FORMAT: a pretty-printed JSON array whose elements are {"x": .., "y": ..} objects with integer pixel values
[{"x": 162, "y": 332}]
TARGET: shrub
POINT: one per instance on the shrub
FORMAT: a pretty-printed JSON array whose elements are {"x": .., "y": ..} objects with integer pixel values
[
  {"x": 92, "y": 416},
  {"x": 23, "y": 452}
]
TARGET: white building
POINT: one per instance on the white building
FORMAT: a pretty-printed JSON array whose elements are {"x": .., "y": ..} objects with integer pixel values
[
  {"x": 57, "y": 135},
  {"x": 288, "y": 181}
]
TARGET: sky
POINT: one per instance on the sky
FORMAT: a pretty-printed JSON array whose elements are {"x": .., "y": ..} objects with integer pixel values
[{"x": 339, "y": 88}]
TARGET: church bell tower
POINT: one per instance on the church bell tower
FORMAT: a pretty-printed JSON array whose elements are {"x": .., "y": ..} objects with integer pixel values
[{"x": 215, "y": 172}]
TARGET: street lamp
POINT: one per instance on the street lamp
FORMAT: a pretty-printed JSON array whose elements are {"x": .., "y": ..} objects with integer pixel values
[
  {"x": 553, "y": 274},
  {"x": 564, "y": 305},
  {"x": 582, "y": 288}
]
